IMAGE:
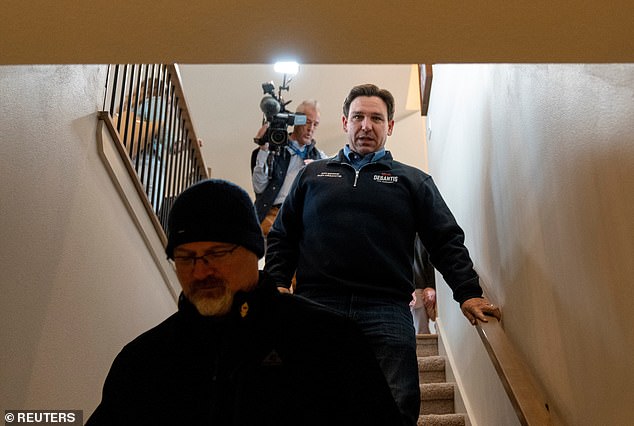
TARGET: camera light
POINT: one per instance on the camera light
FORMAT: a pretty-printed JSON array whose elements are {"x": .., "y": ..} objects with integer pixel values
[{"x": 290, "y": 68}]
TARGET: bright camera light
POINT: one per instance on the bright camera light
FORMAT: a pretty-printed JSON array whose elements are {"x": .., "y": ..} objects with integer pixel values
[{"x": 290, "y": 68}]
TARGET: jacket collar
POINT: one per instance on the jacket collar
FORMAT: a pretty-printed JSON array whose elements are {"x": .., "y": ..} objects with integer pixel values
[{"x": 246, "y": 305}]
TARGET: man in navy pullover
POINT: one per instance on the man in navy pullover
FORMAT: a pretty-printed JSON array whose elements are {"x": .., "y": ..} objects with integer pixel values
[{"x": 347, "y": 228}]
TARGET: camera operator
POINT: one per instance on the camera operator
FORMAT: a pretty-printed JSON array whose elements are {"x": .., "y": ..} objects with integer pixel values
[{"x": 272, "y": 186}]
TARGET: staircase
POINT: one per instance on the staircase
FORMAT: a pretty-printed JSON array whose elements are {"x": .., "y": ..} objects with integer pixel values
[{"x": 437, "y": 396}]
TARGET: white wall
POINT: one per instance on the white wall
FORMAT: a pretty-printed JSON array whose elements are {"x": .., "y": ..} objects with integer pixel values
[
  {"x": 537, "y": 163},
  {"x": 77, "y": 281}
]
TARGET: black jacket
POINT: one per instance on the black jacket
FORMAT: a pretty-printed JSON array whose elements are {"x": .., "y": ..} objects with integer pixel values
[
  {"x": 287, "y": 361},
  {"x": 353, "y": 231}
]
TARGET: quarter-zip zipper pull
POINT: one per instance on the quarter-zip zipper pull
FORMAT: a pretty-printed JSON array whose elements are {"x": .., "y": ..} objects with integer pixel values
[{"x": 356, "y": 177}]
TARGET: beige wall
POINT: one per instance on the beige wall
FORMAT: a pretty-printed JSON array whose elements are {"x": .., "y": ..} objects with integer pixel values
[
  {"x": 77, "y": 279},
  {"x": 537, "y": 163}
]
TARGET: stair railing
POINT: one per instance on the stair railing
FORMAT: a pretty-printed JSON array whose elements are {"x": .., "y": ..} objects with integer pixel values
[
  {"x": 526, "y": 396},
  {"x": 146, "y": 113}
]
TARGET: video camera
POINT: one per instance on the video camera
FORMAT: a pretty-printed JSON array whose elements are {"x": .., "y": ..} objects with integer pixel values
[{"x": 279, "y": 119}]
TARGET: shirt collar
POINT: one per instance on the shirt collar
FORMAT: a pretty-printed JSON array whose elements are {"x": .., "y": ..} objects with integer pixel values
[
  {"x": 296, "y": 145},
  {"x": 295, "y": 148},
  {"x": 359, "y": 160}
]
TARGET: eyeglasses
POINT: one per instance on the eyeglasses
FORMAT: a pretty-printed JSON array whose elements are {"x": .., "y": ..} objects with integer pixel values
[{"x": 189, "y": 262}]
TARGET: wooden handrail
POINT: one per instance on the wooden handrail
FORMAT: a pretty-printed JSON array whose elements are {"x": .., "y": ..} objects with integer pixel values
[{"x": 526, "y": 396}]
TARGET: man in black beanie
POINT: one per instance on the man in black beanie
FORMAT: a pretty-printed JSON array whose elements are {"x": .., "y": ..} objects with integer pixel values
[{"x": 238, "y": 352}]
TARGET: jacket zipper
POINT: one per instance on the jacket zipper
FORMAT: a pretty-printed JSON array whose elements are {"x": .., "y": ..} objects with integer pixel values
[{"x": 356, "y": 172}]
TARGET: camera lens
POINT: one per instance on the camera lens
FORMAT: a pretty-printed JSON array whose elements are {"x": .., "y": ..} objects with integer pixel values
[{"x": 278, "y": 136}]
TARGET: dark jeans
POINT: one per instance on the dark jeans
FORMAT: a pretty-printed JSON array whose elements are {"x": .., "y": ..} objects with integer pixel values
[{"x": 389, "y": 327}]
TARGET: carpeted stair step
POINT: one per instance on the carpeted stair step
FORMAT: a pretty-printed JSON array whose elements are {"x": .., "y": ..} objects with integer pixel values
[
  {"x": 441, "y": 420},
  {"x": 431, "y": 369},
  {"x": 437, "y": 398},
  {"x": 426, "y": 345}
]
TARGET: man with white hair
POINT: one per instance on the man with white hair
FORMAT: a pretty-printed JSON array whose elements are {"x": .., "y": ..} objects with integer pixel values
[{"x": 275, "y": 170}]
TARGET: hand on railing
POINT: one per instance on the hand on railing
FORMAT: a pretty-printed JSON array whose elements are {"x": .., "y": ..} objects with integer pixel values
[{"x": 478, "y": 309}]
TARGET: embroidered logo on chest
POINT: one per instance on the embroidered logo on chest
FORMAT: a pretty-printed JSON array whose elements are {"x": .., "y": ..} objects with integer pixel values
[
  {"x": 329, "y": 174},
  {"x": 385, "y": 178}
]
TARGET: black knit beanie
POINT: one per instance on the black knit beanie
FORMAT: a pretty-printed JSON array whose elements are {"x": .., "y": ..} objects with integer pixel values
[{"x": 214, "y": 210}]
